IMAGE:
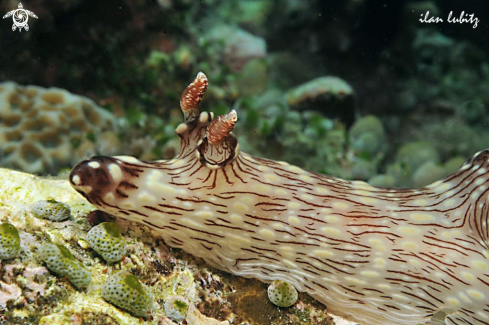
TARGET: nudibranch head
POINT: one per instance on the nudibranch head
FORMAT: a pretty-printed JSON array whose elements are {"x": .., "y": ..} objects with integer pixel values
[
  {"x": 380, "y": 256},
  {"x": 206, "y": 141}
]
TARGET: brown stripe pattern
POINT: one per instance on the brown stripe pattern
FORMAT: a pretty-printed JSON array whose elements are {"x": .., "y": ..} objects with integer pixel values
[{"x": 376, "y": 256}]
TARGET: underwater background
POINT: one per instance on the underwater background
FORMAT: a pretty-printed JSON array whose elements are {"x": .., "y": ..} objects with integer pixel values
[{"x": 356, "y": 89}]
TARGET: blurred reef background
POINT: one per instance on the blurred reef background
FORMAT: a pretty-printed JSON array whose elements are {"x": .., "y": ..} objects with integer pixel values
[{"x": 357, "y": 89}]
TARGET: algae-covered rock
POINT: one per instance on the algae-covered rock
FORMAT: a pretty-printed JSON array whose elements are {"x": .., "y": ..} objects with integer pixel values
[
  {"x": 367, "y": 134},
  {"x": 428, "y": 173},
  {"x": 330, "y": 95},
  {"x": 382, "y": 180},
  {"x": 254, "y": 78},
  {"x": 453, "y": 164},
  {"x": 401, "y": 172},
  {"x": 362, "y": 169},
  {"x": 236, "y": 46},
  {"x": 414, "y": 154}
]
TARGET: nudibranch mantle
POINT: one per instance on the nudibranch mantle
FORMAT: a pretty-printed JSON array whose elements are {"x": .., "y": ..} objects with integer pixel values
[{"x": 377, "y": 256}]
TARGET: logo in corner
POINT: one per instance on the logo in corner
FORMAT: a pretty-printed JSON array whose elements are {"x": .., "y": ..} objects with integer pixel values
[{"x": 20, "y": 17}]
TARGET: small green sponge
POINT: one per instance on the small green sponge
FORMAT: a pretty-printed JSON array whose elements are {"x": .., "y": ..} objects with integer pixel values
[
  {"x": 282, "y": 294},
  {"x": 51, "y": 210},
  {"x": 124, "y": 290},
  {"x": 59, "y": 260},
  {"x": 9, "y": 241},
  {"x": 106, "y": 239},
  {"x": 176, "y": 308}
]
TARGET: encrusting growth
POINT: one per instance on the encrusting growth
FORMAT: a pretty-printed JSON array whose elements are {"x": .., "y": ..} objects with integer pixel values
[{"x": 375, "y": 255}]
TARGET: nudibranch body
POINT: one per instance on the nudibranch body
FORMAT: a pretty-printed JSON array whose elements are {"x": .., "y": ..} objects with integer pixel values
[{"x": 377, "y": 256}]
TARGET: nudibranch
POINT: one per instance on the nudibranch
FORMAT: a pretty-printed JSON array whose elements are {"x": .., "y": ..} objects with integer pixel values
[{"x": 375, "y": 255}]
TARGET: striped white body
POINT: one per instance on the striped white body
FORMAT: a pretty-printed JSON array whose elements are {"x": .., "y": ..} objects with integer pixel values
[{"x": 378, "y": 256}]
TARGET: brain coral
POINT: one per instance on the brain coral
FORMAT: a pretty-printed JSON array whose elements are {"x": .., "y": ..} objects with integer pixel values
[{"x": 39, "y": 127}]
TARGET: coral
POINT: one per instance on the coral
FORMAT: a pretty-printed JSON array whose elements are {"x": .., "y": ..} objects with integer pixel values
[
  {"x": 282, "y": 294},
  {"x": 9, "y": 241},
  {"x": 59, "y": 260},
  {"x": 9, "y": 292},
  {"x": 428, "y": 173},
  {"x": 367, "y": 135},
  {"x": 414, "y": 154},
  {"x": 106, "y": 239},
  {"x": 254, "y": 78},
  {"x": 39, "y": 128},
  {"x": 305, "y": 138},
  {"x": 323, "y": 86},
  {"x": 239, "y": 46},
  {"x": 126, "y": 291},
  {"x": 330, "y": 95},
  {"x": 51, "y": 210},
  {"x": 362, "y": 169},
  {"x": 452, "y": 164},
  {"x": 176, "y": 308},
  {"x": 382, "y": 180}
]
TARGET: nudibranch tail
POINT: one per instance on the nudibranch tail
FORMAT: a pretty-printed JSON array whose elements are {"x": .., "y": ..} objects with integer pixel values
[{"x": 375, "y": 255}]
